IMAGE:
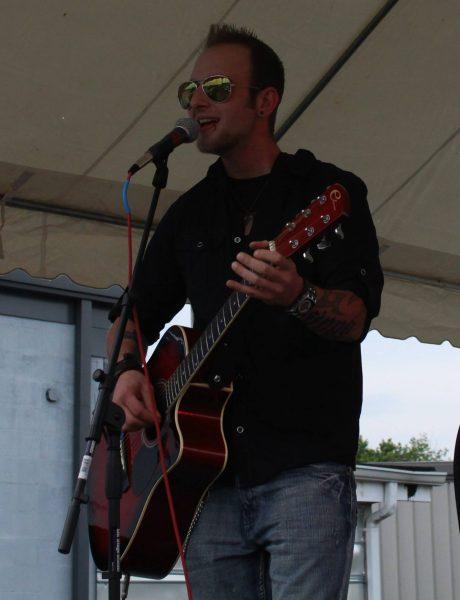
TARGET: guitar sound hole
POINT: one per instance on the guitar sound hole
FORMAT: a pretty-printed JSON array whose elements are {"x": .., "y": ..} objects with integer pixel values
[{"x": 151, "y": 434}]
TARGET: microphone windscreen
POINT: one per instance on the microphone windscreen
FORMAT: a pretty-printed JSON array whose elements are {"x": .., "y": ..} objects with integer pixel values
[{"x": 190, "y": 126}]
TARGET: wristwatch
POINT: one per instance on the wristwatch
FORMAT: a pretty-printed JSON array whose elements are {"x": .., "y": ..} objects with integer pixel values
[
  {"x": 304, "y": 303},
  {"x": 128, "y": 363}
]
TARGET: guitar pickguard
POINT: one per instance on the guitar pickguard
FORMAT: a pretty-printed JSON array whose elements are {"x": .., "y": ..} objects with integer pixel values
[{"x": 146, "y": 464}]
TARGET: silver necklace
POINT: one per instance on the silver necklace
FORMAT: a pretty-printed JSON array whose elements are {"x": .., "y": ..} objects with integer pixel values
[{"x": 248, "y": 211}]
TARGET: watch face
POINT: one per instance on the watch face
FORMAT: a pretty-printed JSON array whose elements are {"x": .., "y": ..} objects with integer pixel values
[
  {"x": 304, "y": 305},
  {"x": 306, "y": 301}
]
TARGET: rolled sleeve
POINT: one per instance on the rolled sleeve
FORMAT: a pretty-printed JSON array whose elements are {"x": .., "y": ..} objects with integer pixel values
[{"x": 352, "y": 263}]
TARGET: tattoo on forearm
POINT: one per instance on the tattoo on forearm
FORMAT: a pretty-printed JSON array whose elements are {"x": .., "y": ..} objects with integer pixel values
[
  {"x": 329, "y": 327},
  {"x": 130, "y": 334},
  {"x": 337, "y": 315}
]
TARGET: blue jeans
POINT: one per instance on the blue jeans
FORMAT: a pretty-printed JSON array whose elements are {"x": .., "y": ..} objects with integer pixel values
[{"x": 288, "y": 539}]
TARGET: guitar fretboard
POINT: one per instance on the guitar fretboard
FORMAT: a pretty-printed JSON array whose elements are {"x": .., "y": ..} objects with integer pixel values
[{"x": 204, "y": 345}]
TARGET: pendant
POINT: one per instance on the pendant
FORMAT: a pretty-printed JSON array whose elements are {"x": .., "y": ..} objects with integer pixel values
[{"x": 248, "y": 220}]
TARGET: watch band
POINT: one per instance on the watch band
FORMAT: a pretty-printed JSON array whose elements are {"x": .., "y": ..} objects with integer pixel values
[
  {"x": 304, "y": 303},
  {"x": 128, "y": 363}
]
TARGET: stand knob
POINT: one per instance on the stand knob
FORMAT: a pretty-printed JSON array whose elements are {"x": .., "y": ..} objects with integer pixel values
[{"x": 99, "y": 375}]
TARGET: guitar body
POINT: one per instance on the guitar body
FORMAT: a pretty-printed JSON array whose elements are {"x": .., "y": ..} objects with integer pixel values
[{"x": 196, "y": 454}]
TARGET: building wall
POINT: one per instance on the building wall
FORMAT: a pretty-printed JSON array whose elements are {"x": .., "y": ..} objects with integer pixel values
[
  {"x": 52, "y": 337},
  {"x": 49, "y": 333},
  {"x": 420, "y": 549},
  {"x": 36, "y": 440}
]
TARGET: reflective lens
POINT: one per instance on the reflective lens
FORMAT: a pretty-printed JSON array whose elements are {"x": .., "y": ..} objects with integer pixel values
[
  {"x": 185, "y": 93},
  {"x": 217, "y": 87}
]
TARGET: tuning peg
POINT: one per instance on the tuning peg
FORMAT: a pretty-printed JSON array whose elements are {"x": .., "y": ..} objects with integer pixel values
[
  {"x": 339, "y": 232},
  {"x": 307, "y": 256},
  {"x": 323, "y": 243}
]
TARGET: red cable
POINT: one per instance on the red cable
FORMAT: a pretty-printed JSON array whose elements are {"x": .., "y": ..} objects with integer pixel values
[
  {"x": 130, "y": 249},
  {"x": 156, "y": 421},
  {"x": 162, "y": 459}
]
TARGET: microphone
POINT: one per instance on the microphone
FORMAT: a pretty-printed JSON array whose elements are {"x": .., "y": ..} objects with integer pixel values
[{"x": 185, "y": 131}]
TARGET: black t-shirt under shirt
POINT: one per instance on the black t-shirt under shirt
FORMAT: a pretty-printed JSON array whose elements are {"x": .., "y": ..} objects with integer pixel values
[
  {"x": 247, "y": 197},
  {"x": 297, "y": 396}
]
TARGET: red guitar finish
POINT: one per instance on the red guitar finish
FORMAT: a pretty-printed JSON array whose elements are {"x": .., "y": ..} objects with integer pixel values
[
  {"x": 192, "y": 431},
  {"x": 196, "y": 454}
]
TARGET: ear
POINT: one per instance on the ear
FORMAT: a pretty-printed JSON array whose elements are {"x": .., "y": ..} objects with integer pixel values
[{"x": 267, "y": 101}]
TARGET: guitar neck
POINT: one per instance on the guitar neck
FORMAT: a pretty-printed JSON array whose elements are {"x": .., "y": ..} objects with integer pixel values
[{"x": 205, "y": 344}]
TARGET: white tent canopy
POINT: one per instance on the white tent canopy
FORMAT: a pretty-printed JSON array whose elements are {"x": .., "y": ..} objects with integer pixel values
[{"x": 87, "y": 87}]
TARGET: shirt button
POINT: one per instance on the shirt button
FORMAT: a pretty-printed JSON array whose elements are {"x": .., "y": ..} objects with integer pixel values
[
  {"x": 240, "y": 429},
  {"x": 237, "y": 239},
  {"x": 363, "y": 271},
  {"x": 199, "y": 244}
]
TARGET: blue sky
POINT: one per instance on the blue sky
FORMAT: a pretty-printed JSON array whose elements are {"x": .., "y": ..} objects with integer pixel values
[{"x": 410, "y": 388}]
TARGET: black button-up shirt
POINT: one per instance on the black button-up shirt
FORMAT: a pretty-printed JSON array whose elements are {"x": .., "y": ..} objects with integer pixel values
[{"x": 297, "y": 396}]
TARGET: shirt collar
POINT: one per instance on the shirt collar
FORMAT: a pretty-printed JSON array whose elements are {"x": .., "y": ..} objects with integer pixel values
[{"x": 298, "y": 164}]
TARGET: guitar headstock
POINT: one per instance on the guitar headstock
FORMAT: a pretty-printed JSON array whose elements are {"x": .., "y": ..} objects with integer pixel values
[{"x": 312, "y": 221}]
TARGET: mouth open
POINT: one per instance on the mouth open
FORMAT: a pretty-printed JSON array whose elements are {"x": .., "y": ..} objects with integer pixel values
[{"x": 207, "y": 125}]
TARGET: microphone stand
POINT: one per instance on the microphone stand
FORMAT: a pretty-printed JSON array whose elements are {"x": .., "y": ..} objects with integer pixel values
[{"x": 108, "y": 418}]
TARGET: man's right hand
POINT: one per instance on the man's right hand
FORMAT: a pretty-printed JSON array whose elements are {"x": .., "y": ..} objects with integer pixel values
[{"x": 132, "y": 394}]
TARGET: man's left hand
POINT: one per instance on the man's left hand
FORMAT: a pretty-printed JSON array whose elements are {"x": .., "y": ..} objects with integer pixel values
[{"x": 268, "y": 276}]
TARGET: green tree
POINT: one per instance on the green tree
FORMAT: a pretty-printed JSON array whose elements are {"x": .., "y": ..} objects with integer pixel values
[{"x": 418, "y": 449}]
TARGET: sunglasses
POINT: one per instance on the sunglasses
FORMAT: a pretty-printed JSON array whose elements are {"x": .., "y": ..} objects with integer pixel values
[{"x": 217, "y": 88}]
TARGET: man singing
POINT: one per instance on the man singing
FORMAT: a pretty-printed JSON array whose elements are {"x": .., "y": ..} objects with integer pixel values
[{"x": 279, "y": 523}]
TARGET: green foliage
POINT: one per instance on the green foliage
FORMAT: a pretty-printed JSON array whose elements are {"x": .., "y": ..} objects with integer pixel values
[{"x": 418, "y": 449}]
